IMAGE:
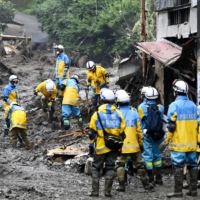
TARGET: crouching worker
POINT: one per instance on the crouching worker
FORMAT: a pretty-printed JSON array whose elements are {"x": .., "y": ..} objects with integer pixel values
[
  {"x": 107, "y": 119},
  {"x": 69, "y": 91},
  {"x": 46, "y": 91},
  {"x": 17, "y": 124},
  {"x": 132, "y": 144}
]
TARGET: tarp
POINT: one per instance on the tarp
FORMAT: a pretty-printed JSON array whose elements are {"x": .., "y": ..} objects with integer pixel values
[{"x": 163, "y": 51}]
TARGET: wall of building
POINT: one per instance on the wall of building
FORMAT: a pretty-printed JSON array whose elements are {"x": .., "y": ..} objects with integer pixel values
[{"x": 180, "y": 30}]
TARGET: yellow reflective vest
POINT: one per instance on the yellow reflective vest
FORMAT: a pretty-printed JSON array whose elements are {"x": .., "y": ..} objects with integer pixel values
[
  {"x": 133, "y": 130},
  {"x": 97, "y": 79},
  {"x": 184, "y": 113},
  {"x": 113, "y": 122},
  {"x": 41, "y": 89},
  {"x": 17, "y": 116}
]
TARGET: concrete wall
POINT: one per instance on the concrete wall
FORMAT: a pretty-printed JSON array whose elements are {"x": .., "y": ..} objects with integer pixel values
[{"x": 164, "y": 31}]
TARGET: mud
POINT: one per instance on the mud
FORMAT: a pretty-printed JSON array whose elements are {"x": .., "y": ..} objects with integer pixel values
[{"x": 29, "y": 174}]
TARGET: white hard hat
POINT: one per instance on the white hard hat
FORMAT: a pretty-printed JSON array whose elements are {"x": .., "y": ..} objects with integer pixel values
[
  {"x": 90, "y": 65},
  {"x": 50, "y": 86},
  {"x": 75, "y": 77},
  {"x": 60, "y": 47},
  {"x": 13, "y": 78},
  {"x": 151, "y": 93},
  {"x": 107, "y": 95},
  {"x": 14, "y": 103},
  {"x": 143, "y": 90},
  {"x": 122, "y": 96},
  {"x": 180, "y": 86}
]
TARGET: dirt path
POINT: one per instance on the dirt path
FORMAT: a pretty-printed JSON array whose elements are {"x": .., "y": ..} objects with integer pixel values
[{"x": 30, "y": 28}]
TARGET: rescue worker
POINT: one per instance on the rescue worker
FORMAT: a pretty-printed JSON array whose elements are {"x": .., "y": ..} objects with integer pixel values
[
  {"x": 132, "y": 144},
  {"x": 46, "y": 91},
  {"x": 17, "y": 124},
  {"x": 182, "y": 138},
  {"x": 151, "y": 154},
  {"x": 142, "y": 94},
  {"x": 97, "y": 78},
  {"x": 62, "y": 66},
  {"x": 113, "y": 121},
  {"x": 10, "y": 94},
  {"x": 69, "y": 91}
]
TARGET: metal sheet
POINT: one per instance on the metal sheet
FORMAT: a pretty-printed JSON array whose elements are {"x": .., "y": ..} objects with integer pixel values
[{"x": 164, "y": 52}]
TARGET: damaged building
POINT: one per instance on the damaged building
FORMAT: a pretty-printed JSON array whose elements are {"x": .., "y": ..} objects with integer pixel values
[{"x": 174, "y": 54}]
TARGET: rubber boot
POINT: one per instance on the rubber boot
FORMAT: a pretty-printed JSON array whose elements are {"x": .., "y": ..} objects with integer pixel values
[
  {"x": 108, "y": 187},
  {"x": 121, "y": 175},
  {"x": 158, "y": 176},
  {"x": 109, "y": 177},
  {"x": 193, "y": 183},
  {"x": 143, "y": 176},
  {"x": 151, "y": 177},
  {"x": 95, "y": 182},
  {"x": 178, "y": 184},
  {"x": 187, "y": 184}
]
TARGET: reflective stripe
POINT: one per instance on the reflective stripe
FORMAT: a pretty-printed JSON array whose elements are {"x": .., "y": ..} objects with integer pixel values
[
  {"x": 157, "y": 163},
  {"x": 18, "y": 124},
  {"x": 130, "y": 147},
  {"x": 149, "y": 164},
  {"x": 183, "y": 145},
  {"x": 102, "y": 149}
]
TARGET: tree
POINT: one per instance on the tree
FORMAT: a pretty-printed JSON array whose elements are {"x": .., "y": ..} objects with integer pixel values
[
  {"x": 7, "y": 11},
  {"x": 97, "y": 28}
]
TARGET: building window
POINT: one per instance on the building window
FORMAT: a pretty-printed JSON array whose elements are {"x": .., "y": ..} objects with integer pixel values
[{"x": 178, "y": 16}]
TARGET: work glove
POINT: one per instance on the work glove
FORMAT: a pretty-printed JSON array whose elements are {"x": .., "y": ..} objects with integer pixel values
[
  {"x": 35, "y": 92},
  {"x": 42, "y": 97},
  {"x": 91, "y": 151}
]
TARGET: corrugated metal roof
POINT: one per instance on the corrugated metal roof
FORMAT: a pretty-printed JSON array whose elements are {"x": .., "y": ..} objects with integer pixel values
[
  {"x": 163, "y": 51},
  {"x": 163, "y": 4}
]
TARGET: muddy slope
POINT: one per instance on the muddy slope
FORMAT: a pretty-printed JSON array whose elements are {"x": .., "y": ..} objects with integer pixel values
[{"x": 28, "y": 175}]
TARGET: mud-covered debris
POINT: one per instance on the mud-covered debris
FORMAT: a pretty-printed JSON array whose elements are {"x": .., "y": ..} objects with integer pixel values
[{"x": 74, "y": 150}]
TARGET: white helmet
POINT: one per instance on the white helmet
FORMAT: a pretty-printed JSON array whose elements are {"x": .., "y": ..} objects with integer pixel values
[
  {"x": 122, "y": 96},
  {"x": 75, "y": 77},
  {"x": 50, "y": 86},
  {"x": 13, "y": 78},
  {"x": 180, "y": 86},
  {"x": 151, "y": 93},
  {"x": 143, "y": 90},
  {"x": 107, "y": 95},
  {"x": 90, "y": 65},
  {"x": 59, "y": 47},
  {"x": 14, "y": 103}
]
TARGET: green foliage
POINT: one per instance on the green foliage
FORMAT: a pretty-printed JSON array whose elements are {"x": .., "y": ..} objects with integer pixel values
[
  {"x": 93, "y": 27},
  {"x": 6, "y": 11}
]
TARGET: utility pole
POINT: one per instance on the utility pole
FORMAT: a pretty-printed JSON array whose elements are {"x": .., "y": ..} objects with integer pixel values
[
  {"x": 198, "y": 52},
  {"x": 143, "y": 39}
]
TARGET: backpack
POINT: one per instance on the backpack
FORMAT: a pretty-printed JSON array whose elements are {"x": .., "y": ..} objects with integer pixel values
[
  {"x": 112, "y": 141},
  {"x": 154, "y": 122}
]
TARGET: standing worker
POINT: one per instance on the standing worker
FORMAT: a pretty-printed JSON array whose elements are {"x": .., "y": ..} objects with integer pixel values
[
  {"x": 62, "y": 66},
  {"x": 151, "y": 115},
  {"x": 10, "y": 94},
  {"x": 47, "y": 91},
  {"x": 133, "y": 143},
  {"x": 69, "y": 91},
  {"x": 182, "y": 138},
  {"x": 111, "y": 119},
  {"x": 17, "y": 124},
  {"x": 97, "y": 78}
]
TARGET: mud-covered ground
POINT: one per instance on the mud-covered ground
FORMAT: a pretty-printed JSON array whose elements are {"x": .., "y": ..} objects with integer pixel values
[{"x": 28, "y": 175}]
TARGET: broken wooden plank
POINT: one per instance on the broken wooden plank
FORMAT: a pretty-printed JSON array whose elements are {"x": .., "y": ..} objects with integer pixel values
[{"x": 73, "y": 150}]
